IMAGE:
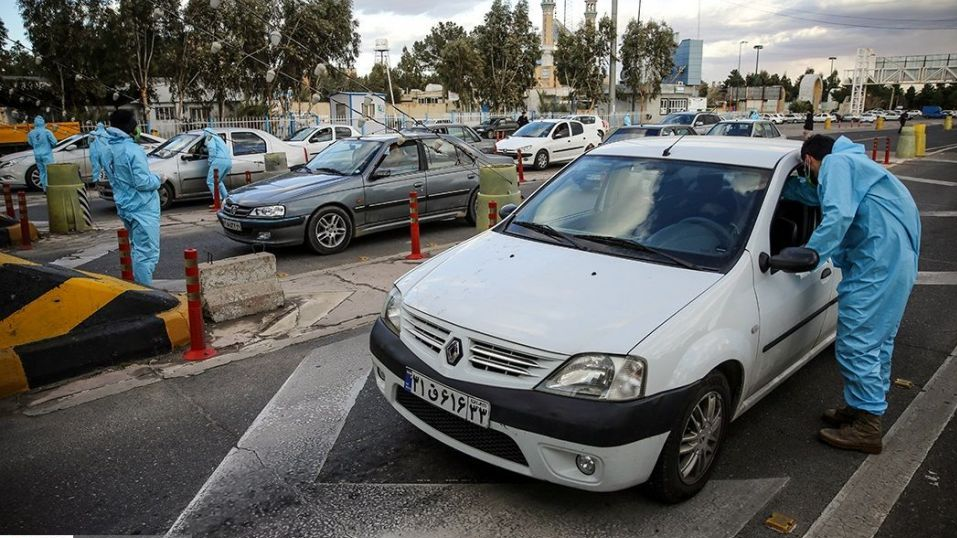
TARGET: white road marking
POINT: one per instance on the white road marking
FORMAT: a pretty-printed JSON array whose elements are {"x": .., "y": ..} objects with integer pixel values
[
  {"x": 938, "y": 213},
  {"x": 929, "y": 181},
  {"x": 86, "y": 255},
  {"x": 859, "y": 509},
  {"x": 937, "y": 278}
]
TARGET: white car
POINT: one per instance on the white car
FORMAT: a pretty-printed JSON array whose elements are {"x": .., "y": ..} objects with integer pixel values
[
  {"x": 868, "y": 117},
  {"x": 821, "y": 117},
  {"x": 591, "y": 121},
  {"x": 20, "y": 167},
  {"x": 607, "y": 331},
  {"x": 182, "y": 163},
  {"x": 794, "y": 117},
  {"x": 773, "y": 118},
  {"x": 746, "y": 128},
  {"x": 319, "y": 137},
  {"x": 543, "y": 142},
  {"x": 915, "y": 113},
  {"x": 892, "y": 115}
]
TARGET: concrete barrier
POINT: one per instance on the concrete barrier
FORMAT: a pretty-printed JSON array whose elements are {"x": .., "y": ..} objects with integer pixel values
[
  {"x": 56, "y": 323},
  {"x": 10, "y": 232},
  {"x": 240, "y": 286}
]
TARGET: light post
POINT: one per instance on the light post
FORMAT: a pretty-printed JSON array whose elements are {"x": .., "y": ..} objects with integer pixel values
[
  {"x": 739, "y": 54},
  {"x": 757, "y": 49}
]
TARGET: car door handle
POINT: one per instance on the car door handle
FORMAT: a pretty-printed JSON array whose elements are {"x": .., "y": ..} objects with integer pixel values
[
  {"x": 417, "y": 185},
  {"x": 471, "y": 176},
  {"x": 825, "y": 273}
]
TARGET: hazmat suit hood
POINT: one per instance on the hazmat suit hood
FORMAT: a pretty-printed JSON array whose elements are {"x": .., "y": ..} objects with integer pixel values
[
  {"x": 116, "y": 136},
  {"x": 844, "y": 145},
  {"x": 210, "y": 132},
  {"x": 100, "y": 129},
  {"x": 39, "y": 122}
]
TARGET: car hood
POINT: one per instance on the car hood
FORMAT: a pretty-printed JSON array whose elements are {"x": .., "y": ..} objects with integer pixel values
[
  {"x": 17, "y": 155},
  {"x": 550, "y": 297},
  {"x": 515, "y": 142},
  {"x": 283, "y": 188}
]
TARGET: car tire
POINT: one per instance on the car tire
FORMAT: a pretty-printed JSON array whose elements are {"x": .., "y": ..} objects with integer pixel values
[
  {"x": 329, "y": 230},
  {"x": 32, "y": 178},
  {"x": 601, "y": 134},
  {"x": 167, "y": 195},
  {"x": 711, "y": 404},
  {"x": 541, "y": 159},
  {"x": 589, "y": 147},
  {"x": 472, "y": 210}
]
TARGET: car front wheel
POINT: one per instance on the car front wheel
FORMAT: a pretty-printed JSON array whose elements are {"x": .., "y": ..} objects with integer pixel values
[
  {"x": 166, "y": 196},
  {"x": 32, "y": 178},
  {"x": 329, "y": 230},
  {"x": 541, "y": 160},
  {"x": 688, "y": 457}
]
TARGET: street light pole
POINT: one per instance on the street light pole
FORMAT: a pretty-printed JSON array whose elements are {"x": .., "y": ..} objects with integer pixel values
[
  {"x": 612, "y": 64},
  {"x": 756, "y": 58},
  {"x": 739, "y": 54}
]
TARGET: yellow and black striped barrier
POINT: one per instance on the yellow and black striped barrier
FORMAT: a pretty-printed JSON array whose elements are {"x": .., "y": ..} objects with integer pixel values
[{"x": 56, "y": 323}]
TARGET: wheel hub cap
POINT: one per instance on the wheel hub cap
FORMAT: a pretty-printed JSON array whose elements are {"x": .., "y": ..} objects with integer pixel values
[{"x": 699, "y": 440}]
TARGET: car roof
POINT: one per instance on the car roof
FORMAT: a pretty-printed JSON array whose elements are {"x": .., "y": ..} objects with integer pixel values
[
  {"x": 391, "y": 137},
  {"x": 443, "y": 125},
  {"x": 743, "y": 120},
  {"x": 651, "y": 126},
  {"x": 554, "y": 120},
  {"x": 221, "y": 130},
  {"x": 756, "y": 152}
]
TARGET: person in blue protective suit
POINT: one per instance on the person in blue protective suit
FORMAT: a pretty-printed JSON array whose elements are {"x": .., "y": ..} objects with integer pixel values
[
  {"x": 220, "y": 158},
  {"x": 135, "y": 193},
  {"x": 42, "y": 142},
  {"x": 99, "y": 152},
  {"x": 870, "y": 229},
  {"x": 754, "y": 115},
  {"x": 627, "y": 120}
]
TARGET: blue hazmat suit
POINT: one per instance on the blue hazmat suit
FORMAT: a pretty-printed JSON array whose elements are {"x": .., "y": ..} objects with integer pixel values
[
  {"x": 754, "y": 115},
  {"x": 135, "y": 192},
  {"x": 220, "y": 158},
  {"x": 99, "y": 153},
  {"x": 42, "y": 142},
  {"x": 627, "y": 120},
  {"x": 870, "y": 229}
]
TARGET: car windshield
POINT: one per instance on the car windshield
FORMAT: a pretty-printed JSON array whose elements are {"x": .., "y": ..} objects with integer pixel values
[
  {"x": 693, "y": 214},
  {"x": 68, "y": 140},
  {"x": 628, "y": 134},
  {"x": 731, "y": 129},
  {"x": 344, "y": 157},
  {"x": 678, "y": 119},
  {"x": 301, "y": 134},
  {"x": 174, "y": 146},
  {"x": 536, "y": 129}
]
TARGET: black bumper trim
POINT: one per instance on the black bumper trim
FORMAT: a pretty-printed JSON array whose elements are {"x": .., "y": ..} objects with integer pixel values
[
  {"x": 262, "y": 224},
  {"x": 588, "y": 422}
]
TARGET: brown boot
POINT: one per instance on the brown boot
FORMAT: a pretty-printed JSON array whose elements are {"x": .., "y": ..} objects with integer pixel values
[
  {"x": 863, "y": 434},
  {"x": 839, "y": 416}
]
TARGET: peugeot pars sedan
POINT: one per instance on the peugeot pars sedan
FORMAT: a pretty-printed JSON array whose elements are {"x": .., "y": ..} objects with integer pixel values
[{"x": 606, "y": 332}]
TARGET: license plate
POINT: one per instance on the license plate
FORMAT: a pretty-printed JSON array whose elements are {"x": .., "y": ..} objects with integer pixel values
[
  {"x": 232, "y": 225},
  {"x": 460, "y": 404}
]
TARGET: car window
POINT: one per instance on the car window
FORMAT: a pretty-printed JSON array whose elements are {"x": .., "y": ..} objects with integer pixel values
[
  {"x": 535, "y": 129},
  {"x": 699, "y": 212},
  {"x": 731, "y": 129},
  {"x": 442, "y": 154},
  {"x": 472, "y": 135},
  {"x": 246, "y": 143},
  {"x": 758, "y": 130},
  {"x": 586, "y": 119},
  {"x": 301, "y": 134},
  {"x": 342, "y": 132},
  {"x": 561, "y": 130},
  {"x": 402, "y": 159},
  {"x": 82, "y": 142},
  {"x": 577, "y": 128},
  {"x": 457, "y": 132},
  {"x": 793, "y": 222},
  {"x": 322, "y": 135},
  {"x": 772, "y": 131},
  {"x": 345, "y": 157},
  {"x": 628, "y": 134}
]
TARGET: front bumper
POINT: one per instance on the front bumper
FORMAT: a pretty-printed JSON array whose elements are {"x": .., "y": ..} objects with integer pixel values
[
  {"x": 527, "y": 158},
  {"x": 286, "y": 231},
  {"x": 536, "y": 433}
]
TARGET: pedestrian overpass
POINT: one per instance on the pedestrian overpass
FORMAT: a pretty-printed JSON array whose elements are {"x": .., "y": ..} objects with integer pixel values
[{"x": 870, "y": 69}]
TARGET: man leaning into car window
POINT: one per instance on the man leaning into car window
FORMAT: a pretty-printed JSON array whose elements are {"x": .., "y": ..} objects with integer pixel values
[{"x": 870, "y": 229}]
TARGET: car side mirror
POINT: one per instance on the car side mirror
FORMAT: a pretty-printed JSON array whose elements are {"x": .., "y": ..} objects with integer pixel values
[
  {"x": 71, "y": 147},
  {"x": 558, "y": 136},
  {"x": 506, "y": 210},
  {"x": 698, "y": 123},
  {"x": 790, "y": 260},
  {"x": 381, "y": 173}
]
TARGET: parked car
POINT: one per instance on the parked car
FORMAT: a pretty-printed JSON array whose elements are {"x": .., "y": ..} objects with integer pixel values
[
  {"x": 932, "y": 112},
  {"x": 700, "y": 121},
  {"x": 868, "y": 117},
  {"x": 181, "y": 162},
  {"x": 821, "y": 117},
  {"x": 773, "y": 118},
  {"x": 319, "y": 137},
  {"x": 466, "y": 134},
  {"x": 591, "y": 121},
  {"x": 639, "y": 307},
  {"x": 748, "y": 128},
  {"x": 639, "y": 131},
  {"x": 914, "y": 113},
  {"x": 497, "y": 127},
  {"x": 21, "y": 166},
  {"x": 356, "y": 187},
  {"x": 794, "y": 117},
  {"x": 892, "y": 115},
  {"x": 543, "y": 142}
]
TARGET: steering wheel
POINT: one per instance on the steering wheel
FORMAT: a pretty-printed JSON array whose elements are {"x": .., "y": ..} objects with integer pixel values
[{"x": 712, "y": 226}]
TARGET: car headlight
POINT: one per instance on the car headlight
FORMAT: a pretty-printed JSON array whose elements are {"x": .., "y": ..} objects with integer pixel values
[
  {"x": 4, "y": 164},
  {"x": 525, "y": 149},
  {"x": 392, "y": 311},
  {"x": 271, "y": 211},
  {"x": 597, "y": 376}
]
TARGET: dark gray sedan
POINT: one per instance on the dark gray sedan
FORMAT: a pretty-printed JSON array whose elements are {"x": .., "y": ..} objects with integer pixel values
[{"x": 355, "y": 187}]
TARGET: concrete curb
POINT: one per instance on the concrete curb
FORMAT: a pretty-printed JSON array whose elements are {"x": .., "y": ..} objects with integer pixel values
[{"x": 56, "y": 323}]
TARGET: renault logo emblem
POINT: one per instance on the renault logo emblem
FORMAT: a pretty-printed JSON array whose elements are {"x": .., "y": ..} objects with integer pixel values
[{"x": 453, "y": 352}]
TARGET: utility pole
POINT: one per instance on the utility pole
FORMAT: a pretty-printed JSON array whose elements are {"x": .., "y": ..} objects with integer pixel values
[
  {"x": 739, "y": 55},
  {"x": 832, "y": 58},
  {"x": 612, "y": 64},
  {"x": 756, "y": 58}
]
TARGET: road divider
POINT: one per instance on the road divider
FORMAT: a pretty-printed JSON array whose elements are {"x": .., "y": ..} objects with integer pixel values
[
  {"x": 198, "y": 350},
  {"x": 239, "y": 286},
  {"x": 57, "y": 323},
  {"x": 416, "y": 248}
]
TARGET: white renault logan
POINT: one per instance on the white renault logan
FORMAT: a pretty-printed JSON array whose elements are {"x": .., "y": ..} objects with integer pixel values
[{"x": 606, "y": 332}]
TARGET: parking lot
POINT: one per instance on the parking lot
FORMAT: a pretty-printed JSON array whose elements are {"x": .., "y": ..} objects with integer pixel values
[{"x": 298, "y": 441}]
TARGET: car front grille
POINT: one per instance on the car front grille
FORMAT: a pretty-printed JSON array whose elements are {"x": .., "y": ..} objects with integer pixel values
[
  {"x": 236, "y": 210},
  {"x": 501, "y": 360},
  {"x": 487, "y": 440},
  {"x": 430, "y": 334}
]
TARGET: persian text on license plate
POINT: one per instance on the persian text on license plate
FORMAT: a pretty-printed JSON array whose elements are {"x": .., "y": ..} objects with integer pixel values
[
  {"x": 232, "y": 225},
  {"x": 470, "y": 408}
]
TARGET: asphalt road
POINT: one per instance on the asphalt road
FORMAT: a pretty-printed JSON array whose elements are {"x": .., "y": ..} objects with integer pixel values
[{"x": 130, "y": 463}]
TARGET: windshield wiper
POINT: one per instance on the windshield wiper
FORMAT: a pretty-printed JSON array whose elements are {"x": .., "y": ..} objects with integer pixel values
[
  {"x": 634, "y": 245},
  {"x": 545, "y": 229},
  {"x": 326, "y": 169}
]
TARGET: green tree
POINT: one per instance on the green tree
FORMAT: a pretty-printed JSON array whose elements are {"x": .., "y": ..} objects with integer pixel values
[
  {"x": 647, "y": 57},
  {"x": 428, "y": 52},
  {"x": 734, "y": 79},
  {"x": 910, "y": 97},
  {"x": 832, "y": 82},
  {"x": 510, "y": 47},
  {"x": 459, "y": 67},
  {"x": 409, "y": 73},
  {"x": 801, "y": 107},
  {"x": 581, "y": 61}
]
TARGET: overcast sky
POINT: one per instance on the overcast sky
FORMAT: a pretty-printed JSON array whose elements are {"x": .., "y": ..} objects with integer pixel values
[{"x": 795, "y": 33}]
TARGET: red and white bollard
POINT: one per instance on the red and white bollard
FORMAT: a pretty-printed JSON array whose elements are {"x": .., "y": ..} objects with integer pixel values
[
  {"x": 416, "y": 253},
  {"x": 8, "y": 201},
  {"x": 249, "y": 177},
  {"x": 25, "y": 240},
  {"x": 520, "y": 167},
  {"x": 198, "y": 350},
  {"x": 492, "y": 213},
  {"x": 874, "y": 151},
  {"x": 217, "y": 203},
  {"x": 887, "y": 150},
  {"x": 126, "y": 256}
]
